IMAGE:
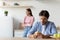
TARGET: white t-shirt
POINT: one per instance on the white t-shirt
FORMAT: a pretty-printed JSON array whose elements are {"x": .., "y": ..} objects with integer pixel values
[{"x": 43, "y": 29}]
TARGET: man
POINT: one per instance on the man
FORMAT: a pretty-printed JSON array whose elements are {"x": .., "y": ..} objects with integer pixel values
[{"x": 42, "y": 28}]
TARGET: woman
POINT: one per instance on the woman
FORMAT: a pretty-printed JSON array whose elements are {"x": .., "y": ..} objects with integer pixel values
[{"x": 28, "y": 21}]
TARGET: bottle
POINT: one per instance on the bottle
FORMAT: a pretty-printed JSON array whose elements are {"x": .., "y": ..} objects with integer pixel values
[{"x": 3, "y": 3}]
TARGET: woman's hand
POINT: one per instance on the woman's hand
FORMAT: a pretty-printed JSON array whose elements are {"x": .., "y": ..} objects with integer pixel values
[{"x": 22, "y": 24}]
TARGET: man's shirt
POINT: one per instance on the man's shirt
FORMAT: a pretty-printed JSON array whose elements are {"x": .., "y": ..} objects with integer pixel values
[
  {"x": 50, "y": 28},
  {"x": 43, "y": 29}
]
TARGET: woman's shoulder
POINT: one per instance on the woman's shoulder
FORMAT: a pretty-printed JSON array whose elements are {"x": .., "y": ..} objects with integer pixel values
[
  {"x": 25, "y": 16},
  {"x": 32, "y": 16}
]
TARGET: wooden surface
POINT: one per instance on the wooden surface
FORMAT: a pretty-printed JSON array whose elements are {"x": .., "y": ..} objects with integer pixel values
[{"x": 25, "y": 39}]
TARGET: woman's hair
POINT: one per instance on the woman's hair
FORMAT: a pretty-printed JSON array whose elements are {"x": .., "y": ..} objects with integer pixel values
[
  {"x": 29, "y": 10},
  {"x": 44, "y": 13}
]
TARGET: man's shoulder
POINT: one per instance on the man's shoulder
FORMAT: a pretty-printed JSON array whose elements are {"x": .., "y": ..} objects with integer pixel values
[
  {"x": 37, "y": 22},
  {"x": 50, "y": 22}
]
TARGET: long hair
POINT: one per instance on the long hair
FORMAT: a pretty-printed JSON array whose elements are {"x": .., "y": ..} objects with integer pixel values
[{"x": 29, "y": 11}]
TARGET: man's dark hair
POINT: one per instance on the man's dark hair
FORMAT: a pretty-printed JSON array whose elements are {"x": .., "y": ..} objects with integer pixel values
[{"x": 44, "y": 13}]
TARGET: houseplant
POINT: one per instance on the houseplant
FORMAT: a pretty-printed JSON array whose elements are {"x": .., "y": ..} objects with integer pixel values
[{"x": 6, "y": 13}]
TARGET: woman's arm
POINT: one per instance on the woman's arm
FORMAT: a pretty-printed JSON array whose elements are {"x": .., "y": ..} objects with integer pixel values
[{"x": 31, "y": 21}]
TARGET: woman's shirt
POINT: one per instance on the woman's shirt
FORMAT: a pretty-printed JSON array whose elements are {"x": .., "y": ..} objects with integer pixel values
[{"x": 28, "y": 20}]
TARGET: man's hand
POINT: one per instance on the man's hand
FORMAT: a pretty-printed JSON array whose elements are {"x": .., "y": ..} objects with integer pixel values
[
  {"x": 47, "y": 36},
  {"x": 38, "y": 35},
  {"x": 32, "y": 36},
  {"x": 43, "y": 36}
]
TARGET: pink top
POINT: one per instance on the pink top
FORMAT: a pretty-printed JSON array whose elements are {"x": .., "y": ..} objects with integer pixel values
[{"x": 28, "y": 20}]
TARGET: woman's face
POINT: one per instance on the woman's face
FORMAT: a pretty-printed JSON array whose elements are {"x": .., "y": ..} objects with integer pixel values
[
  {"x": 43, "y": 19},
  {"x": 27, "y": 13}
]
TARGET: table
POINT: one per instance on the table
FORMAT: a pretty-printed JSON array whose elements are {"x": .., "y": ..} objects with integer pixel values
[{"x": 15, "y": 38}]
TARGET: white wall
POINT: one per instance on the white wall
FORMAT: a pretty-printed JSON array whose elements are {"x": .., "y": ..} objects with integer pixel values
[
  {"x": 18, "y": 13},
  {"x": 53, "y": 6}
]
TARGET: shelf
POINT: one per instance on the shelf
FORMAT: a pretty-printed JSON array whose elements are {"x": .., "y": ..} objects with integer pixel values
[
  {"x": 6, "y": 4},
  {"x": 16, "y": 0},
  {"x": 16, "y": 6}
]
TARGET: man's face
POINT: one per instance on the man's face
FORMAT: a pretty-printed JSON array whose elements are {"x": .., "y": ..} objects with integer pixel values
[{"x": 43, "y": 19}]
